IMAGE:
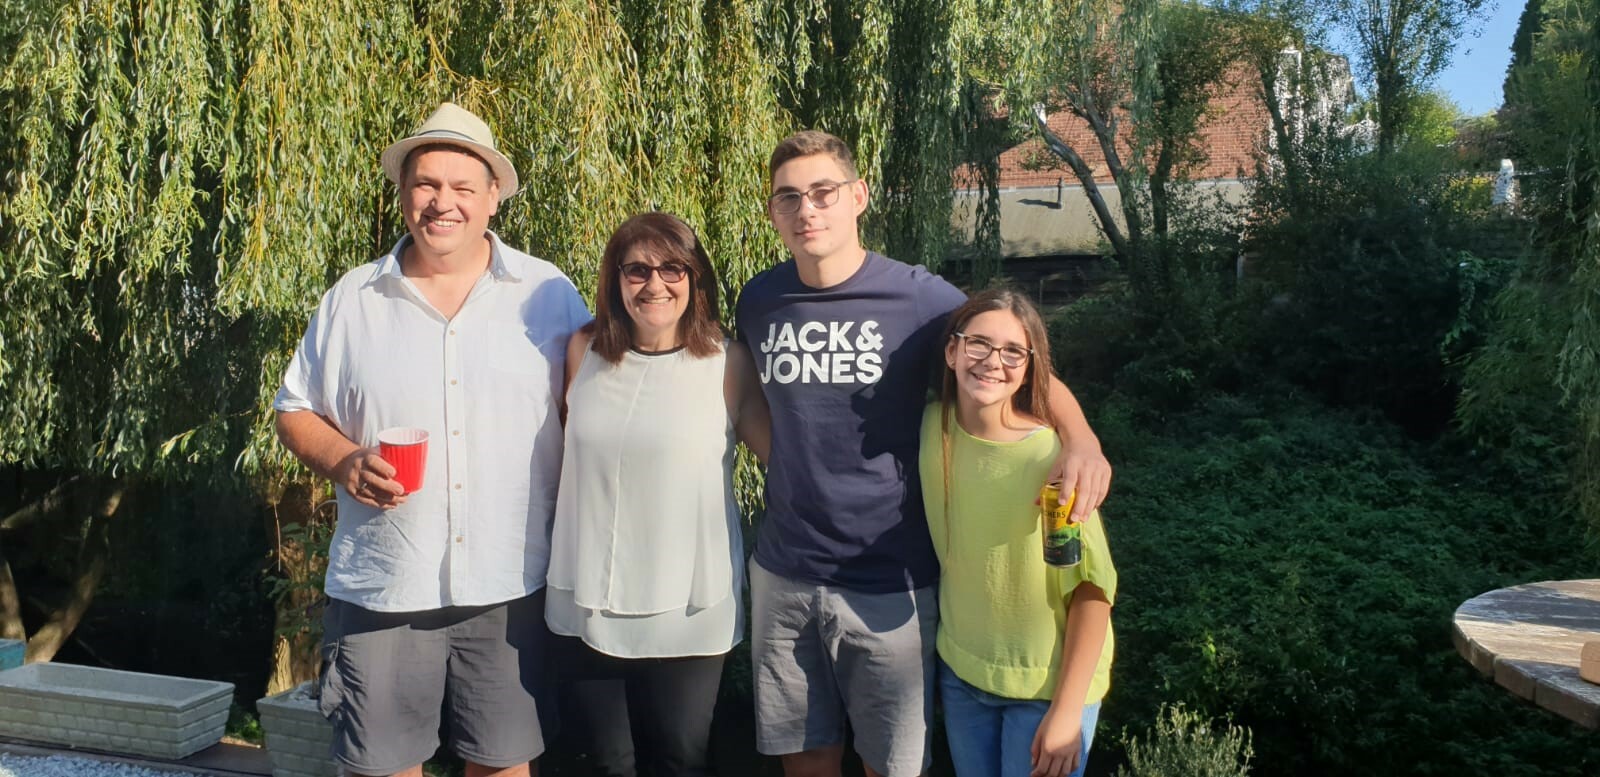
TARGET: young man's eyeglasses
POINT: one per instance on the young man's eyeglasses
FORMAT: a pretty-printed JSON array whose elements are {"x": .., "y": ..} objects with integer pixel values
[
  {"x": 978, "y": 349},
  {"x": 821, "y": 196},
  {"x": 639, "y": 272}
]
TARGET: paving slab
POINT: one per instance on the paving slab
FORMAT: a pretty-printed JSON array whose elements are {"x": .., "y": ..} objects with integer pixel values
[{"x": 224, "y": 759}]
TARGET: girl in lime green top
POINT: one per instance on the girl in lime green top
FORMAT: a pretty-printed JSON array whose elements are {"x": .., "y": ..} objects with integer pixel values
[{"x": 1025, "y": 648}]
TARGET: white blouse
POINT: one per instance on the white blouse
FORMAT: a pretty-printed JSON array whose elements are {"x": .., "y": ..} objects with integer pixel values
[{"x": 646, "y": 555}]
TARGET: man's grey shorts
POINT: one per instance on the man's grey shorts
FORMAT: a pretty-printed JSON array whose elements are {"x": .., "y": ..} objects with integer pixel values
[
  {"x": 824, "y": 655},
  {"x": 386, "y": 677}
]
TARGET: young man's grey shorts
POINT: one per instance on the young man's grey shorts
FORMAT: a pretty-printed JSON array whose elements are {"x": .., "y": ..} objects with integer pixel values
[
  {"x": 825, "y": 656},
  {"x": 387, "y": 677}
]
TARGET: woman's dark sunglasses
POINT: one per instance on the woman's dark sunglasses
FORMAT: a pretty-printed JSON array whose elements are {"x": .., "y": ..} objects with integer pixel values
[{"x": 639, "y": 272}]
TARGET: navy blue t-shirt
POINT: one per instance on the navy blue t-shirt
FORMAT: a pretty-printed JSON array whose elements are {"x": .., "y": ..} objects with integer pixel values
[{"x": 845, "y": 370}]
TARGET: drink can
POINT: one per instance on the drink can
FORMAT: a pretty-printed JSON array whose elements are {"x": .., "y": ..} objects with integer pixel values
[{"x": 1063, "y": 542}]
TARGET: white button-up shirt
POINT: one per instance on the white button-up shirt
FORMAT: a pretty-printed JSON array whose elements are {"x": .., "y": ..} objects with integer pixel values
[{"x": 485, "y": 386}]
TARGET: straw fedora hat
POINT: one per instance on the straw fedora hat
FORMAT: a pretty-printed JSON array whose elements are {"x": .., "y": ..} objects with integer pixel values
[{"x": 454, "y": 125}]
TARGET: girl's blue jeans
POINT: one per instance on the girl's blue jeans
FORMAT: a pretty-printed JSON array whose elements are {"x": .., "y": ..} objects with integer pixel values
[{"x": 990, "y": 736}]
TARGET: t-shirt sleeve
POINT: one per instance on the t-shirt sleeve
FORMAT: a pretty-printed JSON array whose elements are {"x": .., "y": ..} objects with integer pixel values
[
  {"x": 939, "y": 298},
  {"x": 1096, "y": 566},
  {"x": 302, "y": 386},
  {"x": 936, "y": 299}
]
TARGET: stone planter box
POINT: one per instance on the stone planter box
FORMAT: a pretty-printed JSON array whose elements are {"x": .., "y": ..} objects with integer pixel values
[
  {"x": 11, "y": 653},
  {"x": 112, "y": 710},
  {"x": 299, "y": 739}
]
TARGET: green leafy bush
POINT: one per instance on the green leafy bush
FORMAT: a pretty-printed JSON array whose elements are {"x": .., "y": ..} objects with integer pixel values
[
  {"x": 1296, "y": 568},
  {"x": 1170, "y": 327},
  {"x": 243, "y": 725},
  {"x": 1185, "y": 744},
  {"x": 1510, "y": 408},
  {"x": 1371, "y": 271}
]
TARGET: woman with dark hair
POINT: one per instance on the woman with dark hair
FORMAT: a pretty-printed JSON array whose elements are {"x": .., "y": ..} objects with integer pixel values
[{"x": 647, "y": 562}]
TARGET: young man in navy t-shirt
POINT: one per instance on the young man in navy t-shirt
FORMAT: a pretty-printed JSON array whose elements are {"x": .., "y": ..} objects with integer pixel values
[{"x": 844, "y": 577}]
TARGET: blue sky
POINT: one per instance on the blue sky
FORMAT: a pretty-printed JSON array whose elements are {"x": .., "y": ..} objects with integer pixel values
[{"x": 1477, "y": 69}]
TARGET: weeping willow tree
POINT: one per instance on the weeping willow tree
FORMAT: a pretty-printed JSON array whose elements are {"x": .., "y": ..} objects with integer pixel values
[{"x": 184, "y": 179}]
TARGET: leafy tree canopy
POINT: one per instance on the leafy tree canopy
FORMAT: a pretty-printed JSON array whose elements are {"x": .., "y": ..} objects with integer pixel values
[{"x": 185, "y": 178}]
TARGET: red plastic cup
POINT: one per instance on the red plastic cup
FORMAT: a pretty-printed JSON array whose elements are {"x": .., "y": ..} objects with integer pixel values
[{"x": 406, "y": 448}]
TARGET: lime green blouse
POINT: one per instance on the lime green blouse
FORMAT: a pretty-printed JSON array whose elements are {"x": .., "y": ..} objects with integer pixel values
[{"x": 1002, "y": 610}]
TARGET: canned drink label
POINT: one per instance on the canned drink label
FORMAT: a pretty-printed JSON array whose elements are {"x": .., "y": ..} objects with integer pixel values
[
  {"x": 1063, "y": 542},
  {"x": 1063, "y": 549}
]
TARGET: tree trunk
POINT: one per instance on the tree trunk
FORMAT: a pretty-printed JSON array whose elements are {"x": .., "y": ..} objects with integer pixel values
[
  {"x": 294, "y": 661},
  {"x": 1281, "y": 132},
  {"x": 47, "y": 506},
  {"x": 1393, "y": 84},
  {"x": 1105, "y": 131},
  {"x": 1155, "y": 261},
  {"x": 91, "y": 567},
  {"x": 1091, "y": 189},
  {"x": 300, "y": 530},
  {"x": 44, "y": 507},
  {"x": 1159, "y": 176},
  {"x": 10, "y": 604}
]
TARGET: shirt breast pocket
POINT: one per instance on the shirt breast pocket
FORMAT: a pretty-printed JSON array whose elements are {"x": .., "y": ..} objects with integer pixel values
[{"x": 519, "y": 354}]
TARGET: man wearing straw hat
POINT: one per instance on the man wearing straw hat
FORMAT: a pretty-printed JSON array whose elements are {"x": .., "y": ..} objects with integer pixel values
[{"x": 436, "y": 608}]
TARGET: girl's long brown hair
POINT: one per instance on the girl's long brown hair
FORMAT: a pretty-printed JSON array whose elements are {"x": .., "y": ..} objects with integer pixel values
[{"x": 1033, "y": 398}]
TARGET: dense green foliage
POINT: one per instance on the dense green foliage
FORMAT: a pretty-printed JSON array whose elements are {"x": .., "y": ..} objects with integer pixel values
[
  {"x": 1531, "y": 392},
  {"x": 1295, "y": 568},
  {"x": 1528, "y": 24},
  {"x": 1363, "y": 278},
  {"x": 1374, "y": 280}
]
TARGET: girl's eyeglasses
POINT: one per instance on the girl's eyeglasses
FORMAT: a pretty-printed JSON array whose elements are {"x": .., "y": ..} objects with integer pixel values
[
  {"x": 977, "y": 349},
  {"x": 639, "y": 272}
]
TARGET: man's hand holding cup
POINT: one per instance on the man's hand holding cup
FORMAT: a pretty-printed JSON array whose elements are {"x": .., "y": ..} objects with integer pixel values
[{"x": 370, "y": 479}]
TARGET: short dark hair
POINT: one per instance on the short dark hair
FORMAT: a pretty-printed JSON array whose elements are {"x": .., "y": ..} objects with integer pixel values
[
  {"x": 411, "y": 157},
  {"x": 807, "y": 143},
  {"x": 667, "y": 238}
]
